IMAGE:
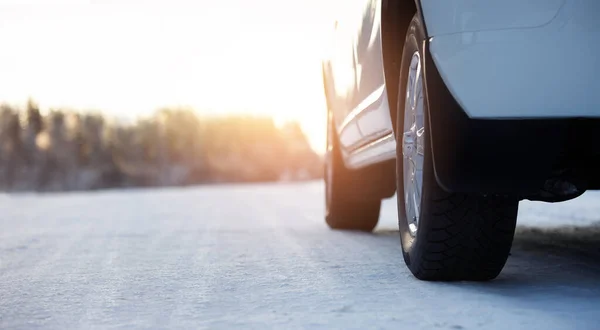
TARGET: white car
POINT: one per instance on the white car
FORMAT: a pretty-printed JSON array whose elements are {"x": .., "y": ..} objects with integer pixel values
[{"x": 461, "y": 108}]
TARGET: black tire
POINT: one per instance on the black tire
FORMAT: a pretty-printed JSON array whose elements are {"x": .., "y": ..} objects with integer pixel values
[
  {"x": 347, "y": 205},
  {"x": 459, "y": 236}
]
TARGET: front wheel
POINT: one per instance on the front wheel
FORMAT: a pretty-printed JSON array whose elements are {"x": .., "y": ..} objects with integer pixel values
[{"x": 445, "y": 236}]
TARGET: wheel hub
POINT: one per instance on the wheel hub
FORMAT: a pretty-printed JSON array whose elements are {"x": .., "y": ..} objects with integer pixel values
[{"x": 408, "y": 144}]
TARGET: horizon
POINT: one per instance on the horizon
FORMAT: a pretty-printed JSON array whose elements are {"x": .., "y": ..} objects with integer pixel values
[{"x": 132, "y": 118}]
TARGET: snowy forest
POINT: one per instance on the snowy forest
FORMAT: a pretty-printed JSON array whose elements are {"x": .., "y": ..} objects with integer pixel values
[{"x": 63, "y": 150}]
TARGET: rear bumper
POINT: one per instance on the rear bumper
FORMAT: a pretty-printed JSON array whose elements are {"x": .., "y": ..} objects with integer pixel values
[{"x": 504, "y": 156}]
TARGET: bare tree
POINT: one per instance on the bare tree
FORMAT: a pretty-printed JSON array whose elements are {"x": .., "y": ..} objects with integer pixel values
[{"x": 70, "y": 150}]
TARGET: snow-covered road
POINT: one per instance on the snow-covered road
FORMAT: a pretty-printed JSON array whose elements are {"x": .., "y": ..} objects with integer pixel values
[{"x": 260, "y": 256}]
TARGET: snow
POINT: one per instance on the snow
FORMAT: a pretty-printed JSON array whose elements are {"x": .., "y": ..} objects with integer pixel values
[{"x": 261, "y": 257}]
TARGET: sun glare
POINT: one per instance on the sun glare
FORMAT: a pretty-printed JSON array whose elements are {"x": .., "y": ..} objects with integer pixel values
[{"x": 128, "y": 58}]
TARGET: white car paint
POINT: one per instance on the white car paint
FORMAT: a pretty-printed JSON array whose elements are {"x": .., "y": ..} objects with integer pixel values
[
  {"x": 547, "y": 71},
  {"x": 350, "y": 134},
  {"x": 500, "y": 59},
  {"x": 356, "y": 81},
  {"x": 374, "y": 120},
  {"x": 340, "y": 85},
  {"x": 377, "y": 151},
  {"x": 455, "y": 16}
]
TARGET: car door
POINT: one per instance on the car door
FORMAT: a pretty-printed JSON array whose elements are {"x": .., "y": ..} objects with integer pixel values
[
  {"x": 341, "y": 73},
  {"x": 371, "y": 107},
  {"x": 358, "y": 99}
]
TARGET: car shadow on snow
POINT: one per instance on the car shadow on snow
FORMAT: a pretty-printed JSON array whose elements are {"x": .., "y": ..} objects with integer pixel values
[
  {"x": 566, "y": 257},
  {"x": 554, "y": 271},
  {"x": 550, "y": 270},
  {"x": 551, "y": 274}
]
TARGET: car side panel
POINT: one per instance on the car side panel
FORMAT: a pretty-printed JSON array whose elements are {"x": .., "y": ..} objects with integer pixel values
[
  {"x": 356, "y": 81},
  {"x": 340, "y": 82},
  {"x": 536, "y": 59},
  {"x": 373, "y": 109},
  {"x": 444, "y": 17}
]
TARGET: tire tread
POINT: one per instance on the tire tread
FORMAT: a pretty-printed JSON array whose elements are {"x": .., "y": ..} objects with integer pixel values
[{"x": 460, "y": 245}]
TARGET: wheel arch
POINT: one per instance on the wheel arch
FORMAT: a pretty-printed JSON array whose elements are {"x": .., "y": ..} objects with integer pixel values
[{"x": 395, "y": 19}]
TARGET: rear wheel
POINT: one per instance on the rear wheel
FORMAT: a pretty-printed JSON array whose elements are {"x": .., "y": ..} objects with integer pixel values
[
  {"x": 445, "y": 236},
  {"x": 347, "y": 205}
]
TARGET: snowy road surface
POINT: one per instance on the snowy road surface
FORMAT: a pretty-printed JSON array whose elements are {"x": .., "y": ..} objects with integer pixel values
[{"x": 260, "y": 256}]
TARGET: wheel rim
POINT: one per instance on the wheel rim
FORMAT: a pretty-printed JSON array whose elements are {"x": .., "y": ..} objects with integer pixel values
[{"x": 412, "y": 144}]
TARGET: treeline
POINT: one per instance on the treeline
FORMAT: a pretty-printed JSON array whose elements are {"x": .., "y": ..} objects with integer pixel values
[{"x": 70, "y": 150}]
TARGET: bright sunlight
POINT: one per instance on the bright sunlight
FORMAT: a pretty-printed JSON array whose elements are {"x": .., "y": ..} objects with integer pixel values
[{"x": 129, "y": 58}]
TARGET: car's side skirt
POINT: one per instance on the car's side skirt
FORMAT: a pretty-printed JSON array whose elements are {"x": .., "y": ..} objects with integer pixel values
[{"x": 377, "y": 151}]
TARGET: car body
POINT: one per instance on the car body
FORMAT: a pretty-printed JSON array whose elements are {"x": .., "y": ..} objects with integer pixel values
[{"x": 511, "y": 92}]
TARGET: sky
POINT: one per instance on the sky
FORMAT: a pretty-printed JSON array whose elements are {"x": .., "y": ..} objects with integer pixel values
[{"x": 127, "y": 58}]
